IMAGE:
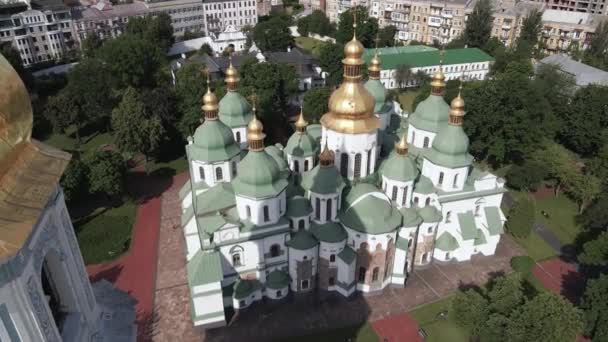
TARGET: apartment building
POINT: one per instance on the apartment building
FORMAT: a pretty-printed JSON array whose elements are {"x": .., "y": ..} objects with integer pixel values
[
  {"x": 567, "y": 31},
  {"x": 40, "y": 30},
  {"x": 186, "y": 15},
  {"x": 584, "y": 6},
  {"x": 223, "y": 13},
  {"x": 508, "y": 20},
  {"x": 333, "y": 8},
  {"x": 104, "y": 19}
]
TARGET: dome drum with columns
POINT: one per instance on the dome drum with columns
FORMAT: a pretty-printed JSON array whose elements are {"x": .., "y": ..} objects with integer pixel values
[{"x": 334, "y": 216}]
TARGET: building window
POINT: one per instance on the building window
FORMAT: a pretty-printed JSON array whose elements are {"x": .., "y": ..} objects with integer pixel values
[
  {"x": 362, "y": 271},
  {"x": 447, "y": 256},
  {"x": 296, "y": 166},
  {"x": 275, "y": 251},
  {"x": 448, "y": 216},
  {"x": 234, "y": 168},
  {"x": 426, "y": 142},
  {"x": 477, "y": 208},
  {"x": 279, "y": 294},
  {"x": 413, "y": 137},
  {"x": 430, "y": 230},
  {"x": 344, "y": 165},
  {"x": 237, "y": 252},
  {"x": 266, "y": 214},
  {"x": 427, "y": 202},
  {"x": 369, "y": 162},
  {"x": 238, "y": 137},
  {"x": 416, "y": 201},
  {"x": 425, "y": 257},
  {"x": 394, "y": 194},
  {"x": 332, "y": 258},
  {"x": 304, "y": 284},
  {"x": 218, "y": 174},
  {"x": 440, "y": 178},
  {"x": 242, "y": 303},
  {"x": 332, "y": 281},
  {"x": 306, "y": 165},
  {"x": 317, "y": 208},
  {"x": 328, "y": 210},
  {"x": 248, "y": 211},
  {"x": 403, "y": 199},
  {"x": 375, "y": 274},
  {"x": 301, "y": 225},
  {"x": 201, "y": 172},
  {"x": 357, "y": 165},
  {"x": 455, "y": 184}
]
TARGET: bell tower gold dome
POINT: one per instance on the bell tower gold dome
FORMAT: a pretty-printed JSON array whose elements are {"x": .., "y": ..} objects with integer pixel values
[{"x": 351, "y": 106}]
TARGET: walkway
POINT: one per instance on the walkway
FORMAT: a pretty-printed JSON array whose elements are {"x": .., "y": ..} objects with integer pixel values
[{"x": 398, "y": 328}]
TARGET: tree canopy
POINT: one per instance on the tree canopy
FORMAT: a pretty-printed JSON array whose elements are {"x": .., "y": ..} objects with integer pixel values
[
  {"x": 479, "y": 24},
  {"x": 367, "y": 27},
  {"x": 317, "y": 22},
  {"x": 595, "y": 308},
  {"x": 315, "y": 104},
  {"x": 106, "y": 173},
  {"x": 330, "y": 60},
  {"x": 273, "y": 34}
]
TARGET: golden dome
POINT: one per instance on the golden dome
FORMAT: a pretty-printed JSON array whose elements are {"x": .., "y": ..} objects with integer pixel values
[
  {"x": 402, "y": 146},
  {"x": 351, "y": 108},
  {"x": 438, "y": 79},
  {"x": 255, "y": 133},
  {"x": 301, "y": 123},
  {"x": 374, "y": 67},
  {"x": 16, "y": 116},
  {"x": 232, "y": 76},
  {"x": 326, "y": 158},
  {"x": 210, "y": 104},
  {"x": 457, "y": 109}
]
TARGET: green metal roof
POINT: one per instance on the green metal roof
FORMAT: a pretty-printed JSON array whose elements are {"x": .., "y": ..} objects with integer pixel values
[
  {"x": 446, "y": 242},
  {"x": 204, "y": 268},
  {"x": 314, "y": 130},
  {"x": 245, "y": 287},
  {"x": 431, "y": 114},
  {"x": 347, "y": 255},
  {"x": 328, "y": 232},
  {"x": 213, "y": 141},
  {"x": 234, "y": 110},
  {"x": 467, "y": 225},
  {"x": 277, "y": 280},
  {"x": 450, "y": 148},
  {"x": 379, "y": 93},
  {"x": 212, "y": 223},
  {"x": 220, "y": 196},
  {"x": 323, "y": 180},
  {"x": 402, "y": 243},
  {"x": 431, "y": 58},
  {"x": 259, "y": 176},
  {"x": 424, "y": 186},
  {"x": 369, "y": 53},
  {"x": 278, "y": 157},
  {"x": 410, "y": 217},
  {"x": 185, "y": 189},
  {"x": 298, "y": 206},
  {"x": 302, "y": 240},
  {"x": 366, "y": 211},
  {"x": 481, "y": 238},
  {"x": 430, "y": 214},
  {"x": 301, "y": 145},
  {"x": 400, "y": 168},
  {"x": 495, "y": 226}
]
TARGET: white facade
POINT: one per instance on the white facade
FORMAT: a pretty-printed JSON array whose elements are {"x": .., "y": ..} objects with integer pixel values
[
  {"x": 471, "y": 71},
  {"x": 355, "y": 154}
]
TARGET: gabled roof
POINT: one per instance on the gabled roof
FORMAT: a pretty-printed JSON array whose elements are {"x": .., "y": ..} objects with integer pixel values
[
  {"x": 347, "y": 255},
  {"x": 495, "y": 226},
  {"x": 467, "y": 225},
  {"x": 446, "y": 242},
  {"x": 204, "y": 268},
  {"x": 220, "y": 196}
]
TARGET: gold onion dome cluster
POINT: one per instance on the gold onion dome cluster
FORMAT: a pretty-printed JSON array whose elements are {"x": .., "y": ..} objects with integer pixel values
[
  {"x": 351, "y": 106},
  {"x": 210, "y": 104}
]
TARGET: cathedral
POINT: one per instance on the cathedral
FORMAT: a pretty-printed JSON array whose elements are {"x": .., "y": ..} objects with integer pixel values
[{"x": 357, "y": 207}]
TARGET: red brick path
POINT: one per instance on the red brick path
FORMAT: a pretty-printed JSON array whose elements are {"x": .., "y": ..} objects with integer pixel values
[
  {"x": 560, "y": 277},
  {"x": 397, "y": 328}
]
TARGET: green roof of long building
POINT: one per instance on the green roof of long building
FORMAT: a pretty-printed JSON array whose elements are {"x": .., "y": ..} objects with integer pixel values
[{"x": 430, "y": 58}]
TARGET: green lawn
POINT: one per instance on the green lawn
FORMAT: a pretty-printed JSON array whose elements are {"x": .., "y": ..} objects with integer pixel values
[
  {"x": 358, "y": 333},
  {"x": 406, "y": 99},
  {"x": 310, "y": 45},
  {"x": 439, "y": 329},
  {"x": 562, "y": 217},
  {"x": 67, "y": 143},
  {"x": 536, "y": 247}
]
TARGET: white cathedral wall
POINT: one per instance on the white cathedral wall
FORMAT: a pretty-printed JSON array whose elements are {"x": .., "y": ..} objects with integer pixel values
[
  {"x": 326, "y": 249},
  {"x": 193, "y": 240},
  {"x": 14, "y": 296},
  {"x": 240, "y": 136},
  {"x": 420, "y": 200},
  {"x": 363, "y": 143},
  {"x": 296, "y": 255},
  {"x": 418, "y": 137},
  {"x": 453, "y": 178},
  {"x": 398, "y": 273},
  {"x": 295, "y": 223},
  {"x": 304, "y": 163},
  {"x": 322, "y": 204},
  {"x": 346, "y": 275},
  {"x": 211, "y": 173},
  {"x": 251, "y": 256},
  {"x": 356, "y": 238},
  {"x": 276, "y": 208},
  {"x": 404, "y": 189},
  {"x": 276, "y": 293}
]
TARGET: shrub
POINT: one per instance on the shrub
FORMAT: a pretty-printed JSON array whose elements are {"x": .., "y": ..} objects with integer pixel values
[
  {"x": 526, "y": 177},
  {"x": 522, "y": 264},
  {"x": 521, "y": 218}
]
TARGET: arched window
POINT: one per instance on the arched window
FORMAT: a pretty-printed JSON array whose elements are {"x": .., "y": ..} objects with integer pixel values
[
  {"x": 362, "y": 272},
  {"x": 375, "y": 274},
  {"x": 363, "y": 245},
  {"x": 403, "y": 199},
  {"x": 415, "y": 201},
  {"x": 301, "y": 225},
  {"x": 357, "y": 165},
  {"x": 394, "y": 194},
  {"x": 344, "y": 165},
  {"x": 237, "y": 256},
  {"x": 332, "y": 281},
  {"x": 296, "y": 166},
  {"x": 238, "y": 137},
  {"x": 413, "y": 137},
  {"x": 426, "y": 142},
  {"x": 328, "y": 210},
  {"x": 248, "y": 211},
  {"x": 425, "y": 257},
  {"x": 317, "y": 208},
  {"x": 266, "y": 214},
  {"x": 201, "y": 172},
  {"x": 427, "y": 202},
  {"x": 275, "y": 251},
  {"x": 455, "y": 184},
  {"x": 369, "y": 162},
  {"x": 234, "y": 168},
  {"x": 430, "y": 230},
  {"x": 306, "y": 165},
  {"x": 448, "y": 216},
  {"x": 218, "y": 174},
  {"x": 332, "y": 258},
  {"x": 477, "y": 209},
  {"x": 440, "y": 178},
  {"x": 447, "y": 255}
]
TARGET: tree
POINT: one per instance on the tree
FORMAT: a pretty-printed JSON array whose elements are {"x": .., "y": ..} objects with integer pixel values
[
  {"x": 13, "y": 57},
  {"x": 493, "y": 328},
  {"x": 386, "y": 36},
  {"x": 492, "y": 46},
  {"x": 74, "y": 180},
  {"x": 136, "y": 128},
  {"x": 303, "y": 26},
  {"x": 595, "y": 252},
  {"x": 479, "y": 24},
  {"x": 526, "y": 177},
  {"x": 403, "y": 74},
  {"x": 545, "y": 318},
  {"x": 189, "y": 89},
  {"x": 559, "y": 163},
  {"x": 155, "y": 29},
  {"x": 598, "y": 165},
  {"x": 106, "y": 173},
  {"x": 584, "y": 189},
  {"x": 595, "y": 308},
  {"x": 63, "y": 111},
  {"x": 521, "y": 218},
  {"x": 367, "y": 27},
  {"x": 530, "y": 30},
  {"x": 330, "y": 60},
  {"x": 315, "y": 104},
  {"x": 595, "y": 54},
  {"x": 468, "y": 308},
  {"x": 273, "y": 35},
  {"x": 90, "y": 44},
  {"x": 205, "y": 49},
  {"x": 595, "y": 217},
  {"x": 317, "y": 22},
  {"x": 505, "y": 295}
]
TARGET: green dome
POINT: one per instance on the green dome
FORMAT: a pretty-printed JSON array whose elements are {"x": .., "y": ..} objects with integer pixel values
[
  {"x": 431, "y": 114},
  {"x": 379, "y": 93},
  {"x": 259, "y": 176},
  {"x": 399, "y": 168},
  {"x": 424, "y": 186},
  {"x": 450, "y": 147},
  {"x": 298, "y": 206},
  {"x": 302, "y": 240},
  {"x": 410, "y": 217},
  {"x": 369, "y": 211},
  {"x": 213, "y": 141},
  {"x": 277, "y": 155},
  {"x": 234, "y": 110},
  {"x": 301, "y": 145},
  {"x": 330, "y": 232},
  {"x": 323, "y": 180},
  {"x": 277, "y": 280}
]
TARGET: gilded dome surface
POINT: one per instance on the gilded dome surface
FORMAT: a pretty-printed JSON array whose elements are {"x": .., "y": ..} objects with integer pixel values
[{"x": 351, "y": 109}]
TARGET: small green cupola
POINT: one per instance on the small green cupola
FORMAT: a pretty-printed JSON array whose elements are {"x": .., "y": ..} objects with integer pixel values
[
  {"x": 301, "y": 144},
  {"x": 450, "y": 147},
  {"x": 213, "y": 140},
  {"x": 432, "y": 113},
  {"x": 234, "y": 110},
  {"x": 375, "y": 87},
  {"x": 399, "y": 166},
  {"x": 323, "y": 178}
]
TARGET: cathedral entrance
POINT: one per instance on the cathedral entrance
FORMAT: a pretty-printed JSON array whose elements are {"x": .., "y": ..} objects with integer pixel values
[{"x": 55, "y": 284}]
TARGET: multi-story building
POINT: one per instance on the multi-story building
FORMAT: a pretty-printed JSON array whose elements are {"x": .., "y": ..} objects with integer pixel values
[
  {"x": 333, "y": 8},
  {"x": 186, "y": 15},
  {"x": 422, "y": 20},
  {"x": 508, "y": 20},
  {"x": 585, "y": 6},
  {"x": 104, "y": 19},
  {"x": 223, "y": 13},
  {"x": 41, "y": 30},
  {"x": 567, "y": 31}
]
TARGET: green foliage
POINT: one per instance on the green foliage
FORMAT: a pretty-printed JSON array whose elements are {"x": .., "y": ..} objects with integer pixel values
[
  {"x": 330, "y": 60},
  {"x": 584, "y": 189},
  {"x": 366, "y": 27},
  {"x": 545, "y": 318},
  {"x": 89, "y": 83},
  {"x": 595, "y": 252},
  {"x": 521, "y": 218},
  {"x": 74, "y": 180},
  {"x": 598, "y": 165},
  {"x": 12, "y": 56},
  {"x": 90, "y": 44},
  {"x": 317, "y": 22},
  {"x": 558, "y": 161},
  {"x": 316, "y": 104},
  {"x": 595, "y": 54},
  {"x": 106, "y": 172},
  {"x": 189, "y": 89},
  {"x": 522, "y": 264},
  {"x": 595, "y": 308},
  {"x": 526, "y": 177},
  {"x": 530, "y": 31},
  {"x": 273, "y": 35},
  {"x": 386, "y": 36},
  {"x": 505, "y": 295},
  {"x": 155, "y": 29},
  {"x": 492, "y": 46},
  {"x": 205, "y": 49},
  {"x": 479, "y": 24},
  {"x": 468, "y": 309},
  {"x": 595, "y": 217},
  {"x": 493, "y": 328},
  {"x": 403, "y": 73}
]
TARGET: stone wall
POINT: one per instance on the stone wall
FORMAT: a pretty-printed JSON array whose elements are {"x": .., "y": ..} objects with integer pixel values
[
  {"x": 370, "y": 261},
  {"x": 425, "y": 246},
  {"x": 304, "y": 272},
  {"x": 325, "y": 273}
]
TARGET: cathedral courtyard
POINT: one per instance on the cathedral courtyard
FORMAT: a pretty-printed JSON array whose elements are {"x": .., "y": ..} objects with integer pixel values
[{"x": 305, "y": 314}]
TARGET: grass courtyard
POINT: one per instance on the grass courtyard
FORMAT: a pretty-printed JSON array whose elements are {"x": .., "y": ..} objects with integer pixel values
[
  {"x": 562, "y": 217},
  {"x": 358, "y": 333},
  {"x": 437, "y": 328},
  {"x": 310, "y": 45}
]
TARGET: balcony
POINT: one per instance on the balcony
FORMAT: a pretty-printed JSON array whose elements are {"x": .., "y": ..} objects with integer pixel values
[{"x": 447, "y": 15}]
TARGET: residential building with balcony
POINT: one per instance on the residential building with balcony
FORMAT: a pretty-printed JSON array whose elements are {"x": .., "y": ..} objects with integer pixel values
[
  {"x": 186, "y": 15},
  {"x": 333, "y": 8},
  {"x": 508, "y": 20},
  {"x": 104, "y": 19},
  {"x": 567, "y": 31},
  {"x": 221, "y": 14},
  {"x": 40, "y": 30},
  {"x": 581, "y": 6}
]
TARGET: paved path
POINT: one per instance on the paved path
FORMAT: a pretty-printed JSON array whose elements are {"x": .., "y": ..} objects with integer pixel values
[{"x": 397, "y": 328}]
